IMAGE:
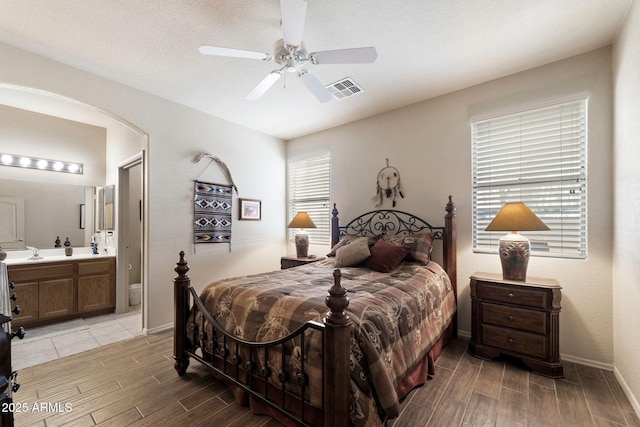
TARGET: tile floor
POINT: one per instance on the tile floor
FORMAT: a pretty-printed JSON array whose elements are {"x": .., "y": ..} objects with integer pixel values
[{"x": 46, "y": 343}]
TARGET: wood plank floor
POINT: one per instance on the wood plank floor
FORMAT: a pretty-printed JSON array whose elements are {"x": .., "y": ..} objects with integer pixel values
[{"x": 133, "y": 383}]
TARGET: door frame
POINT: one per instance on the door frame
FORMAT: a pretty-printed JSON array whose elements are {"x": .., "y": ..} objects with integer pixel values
[{"x": 122, "y": 293}]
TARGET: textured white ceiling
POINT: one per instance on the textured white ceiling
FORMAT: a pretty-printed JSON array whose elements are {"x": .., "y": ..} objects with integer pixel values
[{"x": 425, "y": 48}]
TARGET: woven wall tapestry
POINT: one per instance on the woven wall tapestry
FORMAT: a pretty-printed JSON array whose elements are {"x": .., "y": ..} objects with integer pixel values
[{"x": 212, "y": 213}]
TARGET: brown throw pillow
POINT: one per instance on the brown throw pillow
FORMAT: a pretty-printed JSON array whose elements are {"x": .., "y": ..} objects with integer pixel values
[
  {"x": 347, "y": 240},
  {"x": 386, "y": 256},
  {"x": 352, "y": 254}
]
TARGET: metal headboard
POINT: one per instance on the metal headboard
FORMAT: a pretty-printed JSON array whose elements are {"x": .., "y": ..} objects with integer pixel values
[{"x": 380, "y": 222}]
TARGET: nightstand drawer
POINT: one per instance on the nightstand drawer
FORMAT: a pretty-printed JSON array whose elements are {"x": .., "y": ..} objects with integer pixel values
[
  {"x": 515, "y": 295},
  {"x": 512, "y": 317},
  {"x": 512, "y": 340}
]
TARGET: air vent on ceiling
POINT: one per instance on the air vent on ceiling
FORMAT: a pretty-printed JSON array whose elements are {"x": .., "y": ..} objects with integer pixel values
[{"x": 344, "y": 88}]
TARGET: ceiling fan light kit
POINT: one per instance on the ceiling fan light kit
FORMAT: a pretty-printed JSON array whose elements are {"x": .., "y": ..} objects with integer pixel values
[{"x": 291, "y": 54}]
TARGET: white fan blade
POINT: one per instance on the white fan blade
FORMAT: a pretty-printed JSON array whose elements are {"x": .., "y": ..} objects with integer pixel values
[
  {"x": 235, "y": 53},
  {"x": 315, "y": 86},
  {"x": 293, "y": 14},
  {"x": 357, "y": 55},
  {"x": 264, "y": 85}
]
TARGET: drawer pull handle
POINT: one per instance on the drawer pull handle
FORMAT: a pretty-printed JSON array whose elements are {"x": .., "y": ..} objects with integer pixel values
[
  {"x": 510, "y": 318},
  {"x": 511, "y": 296},
  {"x": 511, "y": 341}
]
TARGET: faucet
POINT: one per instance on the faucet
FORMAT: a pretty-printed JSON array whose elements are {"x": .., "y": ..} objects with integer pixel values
[{"x": 36, "y": 252}]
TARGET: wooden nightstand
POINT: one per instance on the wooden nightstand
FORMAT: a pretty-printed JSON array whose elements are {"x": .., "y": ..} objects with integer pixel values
[
  {"x": 519, "y": 319},
  {"x": 292, "y": 261}
]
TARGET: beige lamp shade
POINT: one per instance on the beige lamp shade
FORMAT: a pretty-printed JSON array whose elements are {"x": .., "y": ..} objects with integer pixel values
[
  {"x": 301, "y": 220},
  {"x": 516, "y": 217}
]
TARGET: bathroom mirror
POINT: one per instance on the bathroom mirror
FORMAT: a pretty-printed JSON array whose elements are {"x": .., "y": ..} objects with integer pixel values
[{"x": 48, "y": 211}]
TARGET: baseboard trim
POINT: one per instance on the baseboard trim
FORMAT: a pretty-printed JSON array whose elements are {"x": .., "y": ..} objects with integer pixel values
[
  {"x": 587, "y": 362},
  {"x": 157, "y": 329},
  {"x": 464, "y": 334},
  {"x": 627, "y": 391}
]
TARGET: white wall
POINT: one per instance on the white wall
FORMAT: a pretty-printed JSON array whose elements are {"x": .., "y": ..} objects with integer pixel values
[
  {"x": 175, "y": 134},
  {"x": 626, "y": 249},
  {"x": 430, "y": 144}
]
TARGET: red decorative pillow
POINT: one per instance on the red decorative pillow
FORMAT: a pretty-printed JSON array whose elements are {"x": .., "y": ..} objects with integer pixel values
[{"x": 386, "y": 256}]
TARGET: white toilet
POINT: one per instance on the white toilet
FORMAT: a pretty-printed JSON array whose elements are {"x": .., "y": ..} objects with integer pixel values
[{"x": 134, "y": 293}]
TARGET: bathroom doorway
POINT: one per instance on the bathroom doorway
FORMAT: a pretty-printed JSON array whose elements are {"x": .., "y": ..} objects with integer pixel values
[{"x": 131, "y": 226}]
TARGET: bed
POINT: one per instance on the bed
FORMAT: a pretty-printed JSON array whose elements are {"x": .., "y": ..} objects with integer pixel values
[{"x": 336, "y": 342}]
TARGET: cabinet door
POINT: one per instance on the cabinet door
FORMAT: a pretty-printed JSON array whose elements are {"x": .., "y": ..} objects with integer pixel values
[
  {"x": 27, "y": 299},
  {"x": 95, "y": 293},
  {"x": 56, "y": 298}
]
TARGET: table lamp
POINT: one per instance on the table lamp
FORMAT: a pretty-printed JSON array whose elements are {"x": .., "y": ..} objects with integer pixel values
[
  {"x": 514, "y": 247},
  {"x": 302, "y": 221}
]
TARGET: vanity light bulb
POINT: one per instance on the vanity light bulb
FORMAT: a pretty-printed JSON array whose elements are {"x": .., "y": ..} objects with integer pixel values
[{"x": 38, "y": 163}]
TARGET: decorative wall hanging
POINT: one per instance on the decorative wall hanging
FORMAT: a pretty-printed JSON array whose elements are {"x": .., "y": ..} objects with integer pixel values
[
  {"x": 388, "y": 185},
  {"x": 212, "y": 213}
]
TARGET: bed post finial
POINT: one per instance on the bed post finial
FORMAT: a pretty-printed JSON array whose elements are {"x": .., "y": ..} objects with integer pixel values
[
  {"x": 337, "y": 346},
  {"x": 181, "y": 285},
  {"x": 182, "y": 268},
  {"x": 451, "y": 207},
  {"x": 337, "y": 301}
]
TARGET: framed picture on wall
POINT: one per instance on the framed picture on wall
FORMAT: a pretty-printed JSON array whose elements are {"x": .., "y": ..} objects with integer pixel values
[{"x": 250, "y": 209}]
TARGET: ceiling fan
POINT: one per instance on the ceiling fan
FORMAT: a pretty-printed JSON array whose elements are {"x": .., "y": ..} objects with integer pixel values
[{"x": 291, "y": 54}]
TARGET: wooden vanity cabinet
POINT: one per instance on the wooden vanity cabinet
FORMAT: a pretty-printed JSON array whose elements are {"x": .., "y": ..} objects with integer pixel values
[
  {"x": 49, "y": 292},
  {"x": 96, "y": 285},
  {"x": 27, "y": 299},
  {"x": 55, "y": 298}
]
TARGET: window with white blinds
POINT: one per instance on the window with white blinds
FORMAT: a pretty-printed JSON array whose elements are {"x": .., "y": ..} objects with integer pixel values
[
  {"x": 537, "y": 157},
  {"x": 309, "y": 191}
]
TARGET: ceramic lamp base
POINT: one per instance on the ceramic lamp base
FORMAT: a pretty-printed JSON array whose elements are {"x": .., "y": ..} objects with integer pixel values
[
  {"x": 302, "y": 245},
  {"x": 514, "y": 256}
]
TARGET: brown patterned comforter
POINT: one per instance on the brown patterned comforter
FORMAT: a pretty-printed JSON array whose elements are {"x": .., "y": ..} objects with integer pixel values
[{"x": 397, "y": 318}]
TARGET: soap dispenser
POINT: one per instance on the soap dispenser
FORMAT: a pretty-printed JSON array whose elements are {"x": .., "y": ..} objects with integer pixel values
[{"x": 68, "y": 250}]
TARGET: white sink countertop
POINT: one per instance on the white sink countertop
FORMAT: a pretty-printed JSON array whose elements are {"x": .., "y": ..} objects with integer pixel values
[{"x": 54, "y": 255}]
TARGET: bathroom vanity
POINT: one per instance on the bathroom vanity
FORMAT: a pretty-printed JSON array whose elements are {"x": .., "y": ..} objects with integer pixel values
[{"x": 59, "y": 288}]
